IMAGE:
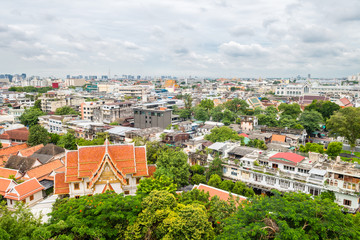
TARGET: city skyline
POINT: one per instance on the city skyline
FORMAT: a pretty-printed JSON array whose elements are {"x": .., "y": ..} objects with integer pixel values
[{"x": 182, "y": 38}]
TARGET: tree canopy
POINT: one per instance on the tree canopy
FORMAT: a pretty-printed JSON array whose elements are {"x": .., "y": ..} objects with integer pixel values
[
  {"x": 221, "y": 134},
  {"x": 311, "y": 121},
  {"x": 326, "y": 108},
  {"x": 30, "y": 116},
  {"x": 333, "y": 149},
  {"x": 38, "y": 135},
  {"x": 237, "y": 106},
  {"x": 66, "y": 110},
  {"x": 293, "y": 110},
  {"x": 173, "y": 164},
  {"x": 291, "y": 216},
  {"x": 345, "y": 123},
  {"x": 207, "y": 104}
]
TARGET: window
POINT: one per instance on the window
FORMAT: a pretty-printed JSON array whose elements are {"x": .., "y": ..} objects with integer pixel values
[
  {"x": 87, "y": 185},
  {"x": 258, "y": 177},
  {"x": 127, "y": 181},
  {"x": 138, "y": 180},
  {"x": 275, "y": 165},
  {"x": 299, "y": 187},
  {"x": 10, "y": 201},
  {"x": 314, "y": 191},
  {"x": 127, "y": 192},
  {"x": 300, "y": 170},
  {"x": 31, "y": 197},
  {"x": 284, "y": 184},
  {"x": 347, "y": 202},
  {"x": 76, "y": 186},
  {"x": 77, "y": 196},
  {"x": 224, "y": 170},
  {"x": 24, "y": 201},
  {"x": 289, "y": 168},
  {"x": 270, "y": 180},
  {"x": 89, "y": 195}
]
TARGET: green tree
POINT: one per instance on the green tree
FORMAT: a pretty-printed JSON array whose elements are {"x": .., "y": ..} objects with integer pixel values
[
  {"x": 240, "y": 188},
  {"x": 227, "y": 185},
  {"x": 222, "y": 134},
  {"x": 311, "y": 121},
  {"x": 328, "y": 194},
  {"x": 188, "y": 101},
  {"x": 228, "y": 117},
  {"x": 291, "y": 216},
  {"x": 345, "y": 123},
  {"x": 162, "y": 183},
  {"x": 30, "y": 116},
  {"x": 101, "y": 216},
  {"x": 268, "y": 120},
  {"x": 68, "y": 141},
  {"x": 326, "y": 108},
  {"x": 217, "y": 114},
  {"x": 173, "y": 163},
  {"x": 237, "y": 106},
  {"x": 293, "y": 110},
  {"x": 19, "y": 223},
  {"x": 197, "y": 169},
  {"x": 207, "y": 104},
  {"x": 197, "y": 179},
  {"x": 215, "y": 167},
  {"x": 156, "y": 207},
  {"x": 201, "y": 114},
  {"x": 287, "y": 121},
  {"x": 37, "y": 104},
  {"x": 271, "y": 110},
  {"x": 38, "y": 135},
  {"x": 334, "y": 148},
  {"x": 185, "y": 113},
  {"x": 153, "y": 149},
  {"x": 215, "y": 181},
  {"x": 188, "y": 222},
  {"x": 66, "y": 110}
]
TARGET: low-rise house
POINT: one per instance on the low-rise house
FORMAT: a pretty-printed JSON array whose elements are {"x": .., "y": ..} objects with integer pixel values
[
  {"x": 23, "y": 164},
  {"x": 9, "y": 173},
  {"x": 176, "y": 138},
  {"x": 28, "y": 192},
  {"x": 5, "y": 185},
  {"x": 117, "y": 134},
  {"x": 221, "y": 194},
  {"x": 48, "y": 153},
  {"x": 96, "y": 169},
  {"x": 14, "y": 137},
  {"x": 248, "y": 123},
  {"x": 150, "y": 134},
  {"x": 6, "y": 152},
  {"x": 27, "y": 152},
  {"x": 266, "y": 137}
]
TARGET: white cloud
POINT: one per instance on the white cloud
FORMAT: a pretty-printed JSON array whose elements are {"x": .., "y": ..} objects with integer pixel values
[{"x": 186, "y": 37}]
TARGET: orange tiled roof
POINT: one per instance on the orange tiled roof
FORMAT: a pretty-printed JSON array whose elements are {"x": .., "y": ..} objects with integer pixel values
[
  {"x": 29, "y": 151},
  {"x": 3, "y": 160},
  {"x": 4, "y": 185},
  {"x": 41, "y": 172},
  {"x": 7, "y": 172},
  {"x": 88, "y": 162},
  {"x": 60, "y": 186},
  {"x": 13, "y": 149},
  {"x": 278, "y": 138},
  {"x": 16, "y": 134},
  {"x": 152, "y": 169},
  {"x": 222, "y": 194},
  {"x": 24, "y": 190}
]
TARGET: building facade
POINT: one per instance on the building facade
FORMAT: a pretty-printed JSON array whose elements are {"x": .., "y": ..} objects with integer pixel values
[{"x": 148, "y": 116}]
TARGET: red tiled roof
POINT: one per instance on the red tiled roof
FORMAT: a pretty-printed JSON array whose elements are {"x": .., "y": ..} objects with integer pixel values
[
  {"x": 3, "y": 160},
  {"x": 222, "y": 194},
  {"x": 141, "y": 163},
  {"x": 287, "y": 157},
  {"x": 16, "y": 134},
  {"x": 4, "y": 185},
  {"x": 60, "y": 186},
  {"x": 24, "y": 190},
  {"x": 346, "y": 102},
  {"x": 29, "y": 151},
  {"x": 7, "y": 172},
  {"x": 41, "y": 172},
  {"x": 13, "y": 149},
  {"x": 243, "y": 134},
  {"x": 71, "y": 167}
]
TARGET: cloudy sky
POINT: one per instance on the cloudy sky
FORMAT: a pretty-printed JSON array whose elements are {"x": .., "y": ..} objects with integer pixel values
[{"x": 210, "y": 38}]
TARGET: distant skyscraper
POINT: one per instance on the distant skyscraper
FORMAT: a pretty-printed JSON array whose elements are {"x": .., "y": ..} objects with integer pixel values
[
  {"x": 23, "y": 76},
  {"x": 309, "y": 75},
  {"x": 68, "y": 76}
]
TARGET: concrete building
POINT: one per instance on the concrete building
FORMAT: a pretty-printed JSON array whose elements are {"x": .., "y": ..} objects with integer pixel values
[
  {"x": 152, "y": 115},
  {"x": 111, "y": 112}
]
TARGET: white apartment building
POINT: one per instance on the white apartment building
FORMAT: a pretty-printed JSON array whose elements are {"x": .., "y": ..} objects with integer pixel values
[{"x": 287, "y": 171}]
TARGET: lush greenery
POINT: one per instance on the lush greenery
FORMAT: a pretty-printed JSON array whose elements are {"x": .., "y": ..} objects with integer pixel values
[
  {"x": 325, "y": 108},
  {"x": 30, "y": 89},
  {"x": 222, "y": 134},
  {"x": 30, "y": 116},
  {"x": 38, "y": 135},
  {"x": 345, "y": 123},
  {"x": 66, "y": 110},
  {"x": 291, "y": 216}
]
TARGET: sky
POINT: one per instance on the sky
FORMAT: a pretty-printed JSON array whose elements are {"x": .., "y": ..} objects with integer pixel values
[{"x": 205, "y": 38}]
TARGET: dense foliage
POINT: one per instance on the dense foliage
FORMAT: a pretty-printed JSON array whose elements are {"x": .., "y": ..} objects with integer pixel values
[
  {"x": 66, "y": 110},
  {"x": 222, "y": 134},
  {"x": 291, "y": 216},
  {"x": 30, "y": 89},
  {"x": 38, "y": 135},
  {"x": 30, "y": 116}
]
